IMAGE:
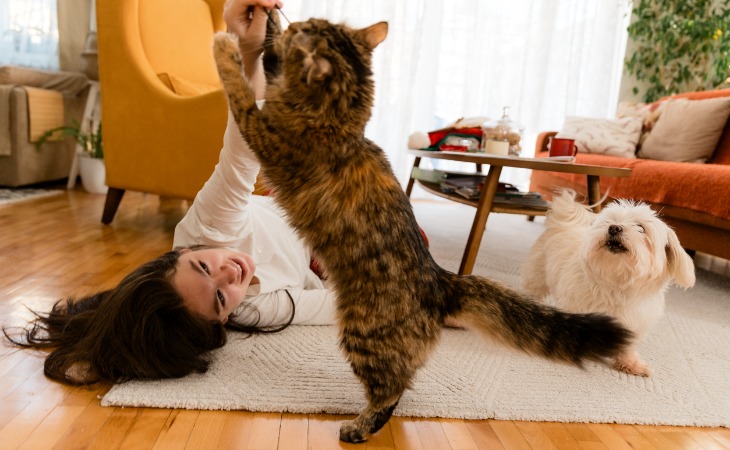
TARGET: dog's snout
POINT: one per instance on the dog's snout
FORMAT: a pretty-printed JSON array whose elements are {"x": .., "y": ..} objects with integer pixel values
[{"x": 613, "y": 230}]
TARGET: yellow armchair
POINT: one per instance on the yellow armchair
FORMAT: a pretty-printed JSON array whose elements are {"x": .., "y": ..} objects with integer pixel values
[{"x": 163, "y": 109}]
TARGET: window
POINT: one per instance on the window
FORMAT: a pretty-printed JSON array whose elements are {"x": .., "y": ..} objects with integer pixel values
[{"x": 29, "y": 33}]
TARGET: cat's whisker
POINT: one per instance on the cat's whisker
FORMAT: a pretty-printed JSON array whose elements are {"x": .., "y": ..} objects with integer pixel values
[{"x": 284, "y": 15}]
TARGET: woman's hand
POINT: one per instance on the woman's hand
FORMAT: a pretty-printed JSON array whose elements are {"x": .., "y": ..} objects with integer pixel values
[{"x": 247, "y": 20}]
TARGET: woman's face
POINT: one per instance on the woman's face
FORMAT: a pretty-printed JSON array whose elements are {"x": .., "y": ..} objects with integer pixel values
[{"x": 213, "y": 281}]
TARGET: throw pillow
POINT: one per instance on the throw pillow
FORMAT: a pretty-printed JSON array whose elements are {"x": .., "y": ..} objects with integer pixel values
[
  {"x": 616, "y": 137},
  {"x": 688, "y": 130}
]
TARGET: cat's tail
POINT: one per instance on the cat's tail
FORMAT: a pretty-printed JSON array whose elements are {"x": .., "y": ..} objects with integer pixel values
[{"x": 521, "y": 322}]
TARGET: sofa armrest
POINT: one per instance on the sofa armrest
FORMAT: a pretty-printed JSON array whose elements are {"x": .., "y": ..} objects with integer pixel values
[
  {"x": 70, "y": 84},
  {"x": 541, "y": 144}
]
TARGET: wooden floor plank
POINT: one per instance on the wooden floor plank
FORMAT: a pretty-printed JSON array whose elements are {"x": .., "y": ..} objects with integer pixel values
[
  {"x": 20, "y": 427},
  {"x": 509, "y": 435},
  {"x": 52, "y": 428},
  {"x": 264, "y": 431},
  {"x": 141, "y": 428},
  {"x": 535, "y": 435},
  {"x": 293, "y": 432},
  {"x": 236, "y": 430},
  {"x": 324, "y": 432},
  {"x": 609, "y": 437},
  {"x": 560, "y": 436},
  {"x": 458, "y": 434},
  {"x": 483, "y": 434},
  {"x": 176, "y": 430},
  {"x": 405, "y": 435},
  {"x": 432, "y": 435},
  {"x": 207, "y": 430}
]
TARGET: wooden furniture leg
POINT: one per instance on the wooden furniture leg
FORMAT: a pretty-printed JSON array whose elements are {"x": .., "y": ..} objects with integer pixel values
[
  {"x": 480, "y": 220},
  {"x": 411, "y": 180},
  {"x": 594, "y": 192},
  {"x": 113, "y": 198}
]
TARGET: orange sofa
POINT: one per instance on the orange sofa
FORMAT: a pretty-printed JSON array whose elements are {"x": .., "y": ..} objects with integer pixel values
[{"x": 692, "y": 198}]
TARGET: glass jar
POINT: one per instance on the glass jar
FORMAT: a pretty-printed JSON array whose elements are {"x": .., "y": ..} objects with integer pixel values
[{"x": 502, "y": 137}]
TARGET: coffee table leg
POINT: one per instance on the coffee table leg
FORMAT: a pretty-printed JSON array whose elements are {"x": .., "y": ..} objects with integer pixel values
[
  {"x": 594, "y": 192},
  {"x": 409, "y": 188},
  {"x": 480, "y": 220}
]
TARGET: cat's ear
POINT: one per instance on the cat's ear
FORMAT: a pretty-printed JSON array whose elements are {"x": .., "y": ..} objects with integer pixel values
[
  {"x": 317, "y": 68},
  {"x": 374, "y": 34}
]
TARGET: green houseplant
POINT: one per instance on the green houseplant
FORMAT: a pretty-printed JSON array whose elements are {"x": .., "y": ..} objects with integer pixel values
[
  {"x": 680, "y": 46},
  {"x": 90, "y": 150},
  {"x": 90, "y": 142}
]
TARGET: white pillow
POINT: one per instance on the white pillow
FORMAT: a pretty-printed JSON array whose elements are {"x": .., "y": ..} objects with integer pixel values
[
  {"x": 616, "y": 137},
  {"x": 687, "y": 130}
]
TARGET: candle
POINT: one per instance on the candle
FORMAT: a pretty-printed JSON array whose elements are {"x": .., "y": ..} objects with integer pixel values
[{"x": 494, "y": 147}]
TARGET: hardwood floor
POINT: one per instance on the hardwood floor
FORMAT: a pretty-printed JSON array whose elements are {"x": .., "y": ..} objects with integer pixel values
[{"x": 56, "y": 246}]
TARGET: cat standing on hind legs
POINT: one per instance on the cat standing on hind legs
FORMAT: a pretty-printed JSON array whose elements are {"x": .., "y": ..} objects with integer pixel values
[{"x": 340, "y": 194}]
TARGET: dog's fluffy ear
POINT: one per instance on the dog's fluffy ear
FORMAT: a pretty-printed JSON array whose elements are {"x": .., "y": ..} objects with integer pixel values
[{"x": 679, "y": 263}]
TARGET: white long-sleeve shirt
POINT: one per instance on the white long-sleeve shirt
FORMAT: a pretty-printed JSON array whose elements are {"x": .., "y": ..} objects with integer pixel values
[{"x": 225, "y": 213}]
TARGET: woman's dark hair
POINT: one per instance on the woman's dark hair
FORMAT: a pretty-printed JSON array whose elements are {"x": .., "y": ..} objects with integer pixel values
[{"x": 138, "y": 329}]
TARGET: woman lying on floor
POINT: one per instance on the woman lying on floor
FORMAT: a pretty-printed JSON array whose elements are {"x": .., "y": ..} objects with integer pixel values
[{"x": 236, "y": 265}]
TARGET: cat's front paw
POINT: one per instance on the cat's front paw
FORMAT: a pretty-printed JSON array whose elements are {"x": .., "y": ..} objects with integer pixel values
[
  {"x": 225, "y": 52},
  {"x": 349, "y": 432}
]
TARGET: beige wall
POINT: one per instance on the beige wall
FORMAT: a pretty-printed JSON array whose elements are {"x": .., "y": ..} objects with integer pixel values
[{"x": 73, "y": 25}]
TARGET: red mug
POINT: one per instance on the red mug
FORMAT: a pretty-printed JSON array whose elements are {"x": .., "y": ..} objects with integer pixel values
[{"x": 562, "y": 147}]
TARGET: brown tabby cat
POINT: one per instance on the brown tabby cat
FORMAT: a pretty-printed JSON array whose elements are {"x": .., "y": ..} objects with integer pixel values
[{"x": 340, "y": 193}]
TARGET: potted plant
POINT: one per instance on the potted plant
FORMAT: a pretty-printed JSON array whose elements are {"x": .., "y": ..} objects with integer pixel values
[
  {"x": 90, "y": 151},
  {"x": 680, "y": 45}
]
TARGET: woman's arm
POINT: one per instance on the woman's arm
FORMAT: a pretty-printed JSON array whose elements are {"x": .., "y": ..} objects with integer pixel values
[
  {"x": 219, "y": 215},
  {"x": 311, "y": 307}
]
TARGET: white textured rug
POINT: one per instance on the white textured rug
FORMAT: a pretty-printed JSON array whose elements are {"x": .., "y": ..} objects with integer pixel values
[{"x": 301, "y": 369}]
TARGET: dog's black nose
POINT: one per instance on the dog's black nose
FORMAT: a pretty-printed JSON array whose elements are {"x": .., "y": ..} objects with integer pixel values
[{"x": 613, "y": 230}]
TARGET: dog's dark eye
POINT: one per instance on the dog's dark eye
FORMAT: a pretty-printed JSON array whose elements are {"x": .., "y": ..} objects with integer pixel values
[{"x": 641, "y": 228}]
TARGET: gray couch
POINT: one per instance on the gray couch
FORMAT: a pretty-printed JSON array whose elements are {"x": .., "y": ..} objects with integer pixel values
[{"x": 58, "y": 97}]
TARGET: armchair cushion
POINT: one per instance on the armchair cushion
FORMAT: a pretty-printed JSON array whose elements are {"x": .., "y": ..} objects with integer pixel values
[{"x": 186, "y": 88}]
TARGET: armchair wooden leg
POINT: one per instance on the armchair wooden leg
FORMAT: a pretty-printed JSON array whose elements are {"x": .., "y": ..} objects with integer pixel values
[{"x": 113, "y": 198}]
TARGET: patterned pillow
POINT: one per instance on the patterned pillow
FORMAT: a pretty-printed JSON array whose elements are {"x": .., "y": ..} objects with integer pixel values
[{"x": 617, "y": 137}]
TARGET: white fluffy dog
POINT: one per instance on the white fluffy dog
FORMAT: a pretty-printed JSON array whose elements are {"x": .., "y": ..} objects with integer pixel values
[{"x": 618, "y": 262}]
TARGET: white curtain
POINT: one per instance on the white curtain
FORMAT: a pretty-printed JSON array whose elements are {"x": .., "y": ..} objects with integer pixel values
[
  {"x": 442, "y": 60},
  {"x": 29, "y": 33}
]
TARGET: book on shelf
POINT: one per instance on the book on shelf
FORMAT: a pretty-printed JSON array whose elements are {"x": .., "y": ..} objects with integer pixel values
[
  {"x": 469, "y": 186},
  {"x": 529, "y": 200},
  {"x": 438, "y": 176}
]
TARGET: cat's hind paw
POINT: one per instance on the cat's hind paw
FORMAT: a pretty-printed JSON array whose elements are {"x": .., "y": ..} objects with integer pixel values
[{"x": 350, "y": 432}]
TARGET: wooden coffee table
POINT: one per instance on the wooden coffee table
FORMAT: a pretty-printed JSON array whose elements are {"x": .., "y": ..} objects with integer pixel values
[{"x": 485, "y": 203}]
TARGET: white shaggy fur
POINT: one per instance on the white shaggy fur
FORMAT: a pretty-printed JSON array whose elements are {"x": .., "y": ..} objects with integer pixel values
[{"x": 618, "y": 262}]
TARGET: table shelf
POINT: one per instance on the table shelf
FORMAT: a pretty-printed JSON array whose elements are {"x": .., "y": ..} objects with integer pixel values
[{"x": 435, "y": 189}]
